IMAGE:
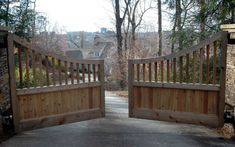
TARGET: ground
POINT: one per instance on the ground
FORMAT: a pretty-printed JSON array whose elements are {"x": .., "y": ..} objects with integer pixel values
[{"x": 117, "y": 130}]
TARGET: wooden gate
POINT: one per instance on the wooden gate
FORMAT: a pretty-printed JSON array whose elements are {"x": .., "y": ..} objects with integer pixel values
[
  {"x": 48, "y": 89},
  {"x": 187, "y": 86}
]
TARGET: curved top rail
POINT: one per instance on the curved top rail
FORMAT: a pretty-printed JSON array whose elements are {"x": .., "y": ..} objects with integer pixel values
[
  {"x": 28, "y": 45},
  {"x": 197, "y": 47}
]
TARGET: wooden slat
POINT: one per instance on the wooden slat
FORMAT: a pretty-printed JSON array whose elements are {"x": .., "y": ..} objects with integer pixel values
[
  {"x": 162, "y": 71},
  {"x": 66, "y": 72},
  {"x": 194, "y": 66},
  {"x": 214, "y": 62},
  {"x": 144, "y": 72},
  {"x": 150, "y": 72},
  {"x": 72, "y": 72},
  {"x": 40, "y": 68},
  {"x": 54, "y": 71},
  {"x": 77, "y": 73},
  {"x": 60, "y": 72},
  {"x": 20, "y": 67},
  {"x": 83, "y": 73},
  {"x": 138, "y": 72},
  {"x": 155, "y": 73},
  {"x": 207, "y": 64},
  {"x": 99, "y": 70},
  {"x": 94, "y": 72},
  {"x": 168, "y": 71},
  {"x": 201, "y": 65},
  {"x": 130, "y": 88},
  {"x": 47, "y": 71},
  {"x": 27, "y": 67},
  {"x": 89, "y": 72},
  {"x": 174, "y": 74},
  {"x": 181, "y": 68},
  {"x": 34, "y": 69},
  {"x": 187, "y": 68}
]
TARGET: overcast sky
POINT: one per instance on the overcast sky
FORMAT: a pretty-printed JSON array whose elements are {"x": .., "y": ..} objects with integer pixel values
[{"x": 87, "y": 15}]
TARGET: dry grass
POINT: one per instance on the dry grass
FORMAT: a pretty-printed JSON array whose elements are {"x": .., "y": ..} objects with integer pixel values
[
  {"x": 227, "y": 131},
  {"x": 121, "y": 93}
]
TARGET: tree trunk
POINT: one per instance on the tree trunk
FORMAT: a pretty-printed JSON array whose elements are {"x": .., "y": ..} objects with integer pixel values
[
  {"x": 178, "y": 17},
  {"x": 160, "y": 27},
  {"x": 202, "y": 19}
]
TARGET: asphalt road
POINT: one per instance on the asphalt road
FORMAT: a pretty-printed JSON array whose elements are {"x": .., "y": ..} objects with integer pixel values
[{"x": 117, "y": 130}]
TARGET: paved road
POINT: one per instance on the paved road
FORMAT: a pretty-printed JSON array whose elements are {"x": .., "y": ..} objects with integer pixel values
[{"x": 117, "y": 130}]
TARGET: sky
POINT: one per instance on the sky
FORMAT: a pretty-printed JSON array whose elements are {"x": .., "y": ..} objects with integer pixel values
[{"x": 88, "y": 15}]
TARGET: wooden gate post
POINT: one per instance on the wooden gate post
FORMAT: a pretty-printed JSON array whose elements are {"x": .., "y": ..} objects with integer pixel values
[{"x": 130, "y": 87}]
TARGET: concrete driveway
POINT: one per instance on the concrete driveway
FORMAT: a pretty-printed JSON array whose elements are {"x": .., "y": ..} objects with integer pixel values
[{"x": 117, "y": 130}]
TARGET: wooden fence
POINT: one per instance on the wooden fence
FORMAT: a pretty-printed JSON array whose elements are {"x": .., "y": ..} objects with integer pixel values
[
  {"x": 50, "y": 89},
  {"x": 186, "y": 86}
]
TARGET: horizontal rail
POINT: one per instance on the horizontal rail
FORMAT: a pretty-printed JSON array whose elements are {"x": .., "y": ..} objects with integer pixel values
[
  {"x": 203, "y": 87},
  {"x": 44, "y": 89}
]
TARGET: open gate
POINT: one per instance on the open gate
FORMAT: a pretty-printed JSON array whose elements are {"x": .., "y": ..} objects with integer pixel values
[
  {"x": 48, "y": 89},
  {"x": 187, "y": 86}
]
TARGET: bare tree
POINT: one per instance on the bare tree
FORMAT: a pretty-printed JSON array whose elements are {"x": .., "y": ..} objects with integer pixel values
[{"x": 160, "y": 27}]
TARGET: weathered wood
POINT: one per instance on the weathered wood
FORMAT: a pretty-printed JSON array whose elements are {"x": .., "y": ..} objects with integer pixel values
[
  {"x": 174, "y": 74},
  {"x": 130, "y": 87},
  {"x": 77, "y": 73},
  {"x": 13, "y": 96},
  {"x": 102, "y": 94},
  {"x": 54, "y": 71},
  {"x": 201, "y": 65},
  {"x": 181, "y": 68},
  {"x": 207, "y": 64},
  {"x": 60, "y": 72},
  {"x": 168, "y": 71},
  {"x": 194, "y": 66},
  {"x": 187, "y": 68},
  {"x": 83, "y": 73},
  {"x": 27, "y": 67},
  {"x": 203, "y": 87},
  {"x": 138, "y": 72},
  {"x": 181, "y": 117},
  {"x": 94, "y": 72},
  {"x": 162, "y": 71},
  {"x": 214, "y": 62},
  {"x": 143, "y": 72},
  {"x": 34, "y": 69},
  {"x": 72, "y": 72},
  {"x": 66, "y": 72},
  {"x": 20, "y": 67},
  {"x": 150, "y": 72},
  {"x": 89, "y": 72},
  {"x": 155, "y": 73},
  {"x": 40, "y": 68},
  {"x": 47, "y": 71}
]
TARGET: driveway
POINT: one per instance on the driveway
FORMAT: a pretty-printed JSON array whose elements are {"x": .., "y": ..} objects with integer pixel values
[{"x": 117, "y": 130}]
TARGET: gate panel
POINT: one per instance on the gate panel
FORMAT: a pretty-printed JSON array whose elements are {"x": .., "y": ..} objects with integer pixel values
[
  {"x": 187, "y": 86},
  {"x": 49, "y": 89}
]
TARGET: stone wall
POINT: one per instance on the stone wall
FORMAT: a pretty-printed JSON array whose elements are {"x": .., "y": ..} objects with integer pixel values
[
  {"x": 230, "y": 79},
  {"x": 4, "y": 78}
]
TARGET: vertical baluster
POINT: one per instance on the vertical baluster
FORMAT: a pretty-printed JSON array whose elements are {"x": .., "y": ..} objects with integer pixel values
[
  {"x": 162, "y": 71},
  {"x": 89, "y": 73},
  {"x": 168, "y": 71},
  {"x": 207, "y": 64},
  {"x": 150, "y": 72},
  {"x": 83, "y": 73},
  {"x": 144, "y": 72},
  {"x": 27, "y": 67},
  {"x": 77, "y": 73},
  {"x": 214, "y": 62},
  {"x": 155, "y": 64},
  {"x": 194, "y": 66},
  {"x": 47, "y": 71},
  {"x": 174, "y": 76},
  {"x": 40, "y": 68},
  {"x": 72, "y": 72},
  {"x": 20, "y": 68},
  {"x": 66, "y": 72},
  {"x": 181, "y": 68},
  {"x": 99, "y": 70},
  {"x": 187, "y": 67},
  {"x": 54, "y": 71},
  {"x": 60, "y": 72},
  {"x": 201, "y": 65},
  {"x": 94, "y": 72},
  {"x": 34, "y": 69},
  {"x": 138, "y": 72}
]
